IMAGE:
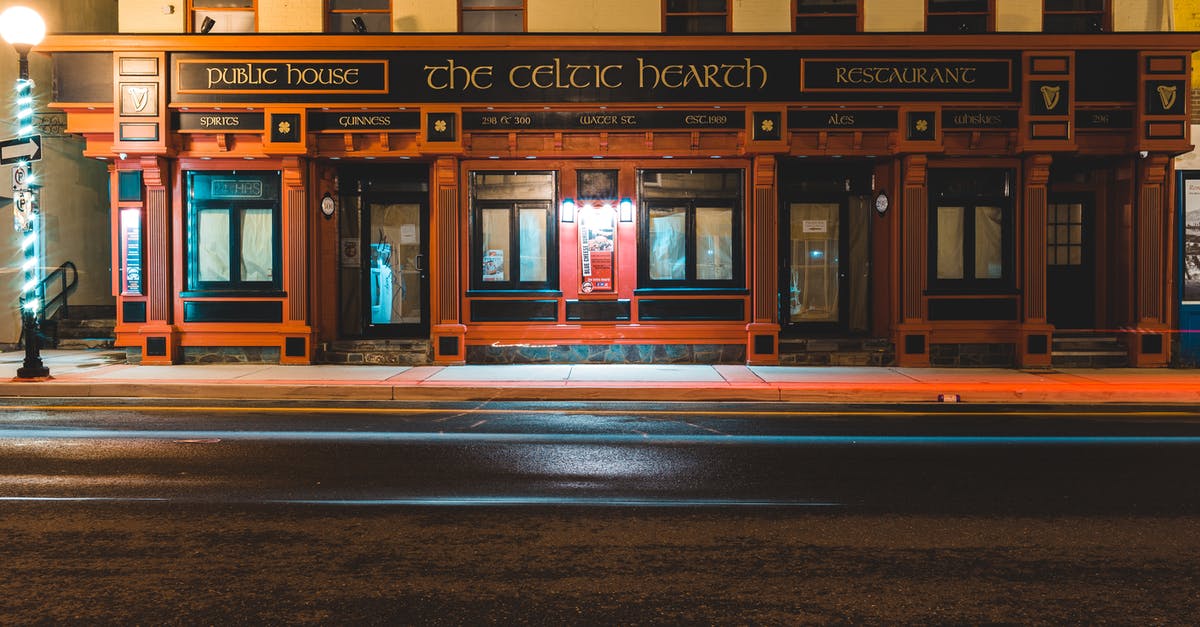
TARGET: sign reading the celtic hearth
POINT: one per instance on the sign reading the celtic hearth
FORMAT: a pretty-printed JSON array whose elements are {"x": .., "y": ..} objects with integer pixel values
[{"x": 576, "y": 76}]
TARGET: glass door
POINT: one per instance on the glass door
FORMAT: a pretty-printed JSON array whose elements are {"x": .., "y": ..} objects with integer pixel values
[
  {"x": 814, "y": 263},
  {"x": 395, "y": 272},
  {"x": 384, "y": 241}
]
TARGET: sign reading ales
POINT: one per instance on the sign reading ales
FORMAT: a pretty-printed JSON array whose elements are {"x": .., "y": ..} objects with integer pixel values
[{"x": 583, "y": 76}]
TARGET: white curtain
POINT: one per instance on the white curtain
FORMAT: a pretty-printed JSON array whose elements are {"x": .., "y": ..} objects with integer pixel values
[
  {"x": 989, "y": 263},
  {"x": 214, "y": 244},
  {"x": 949, "y": 242},
  {"x": 257, "y": 245},
  {"x": 714, "y": 243},
  {"x": 668, "y": 228}
]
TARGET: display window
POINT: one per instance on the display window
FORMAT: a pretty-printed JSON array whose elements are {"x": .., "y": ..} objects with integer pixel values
[
  {"x": 233, "y": 232},
  {"x": 691, "y": 229},
  {"x": 514, "y": 234},
  {"x": 971, "y": 230}
]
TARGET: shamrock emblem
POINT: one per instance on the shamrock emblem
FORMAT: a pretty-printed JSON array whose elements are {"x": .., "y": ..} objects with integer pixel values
[
  {"x": 922, "y": 125},
  {"x": 285, "y": 128},
  {"x": 440, "y": 126},
  {"x": 767, "y": 125}
]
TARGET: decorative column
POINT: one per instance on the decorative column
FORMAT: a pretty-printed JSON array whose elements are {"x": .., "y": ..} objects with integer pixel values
[
  {"x": 1148, "y": 341},
  {"x": 447, "y": 332},
  {"x": 762, "y": 346},
  {"x": 298, "y": 336},
  {"x": 1033, "y": 349},
  {"x": 912, "y": 334},
  {"x": 160, "y": 337}
]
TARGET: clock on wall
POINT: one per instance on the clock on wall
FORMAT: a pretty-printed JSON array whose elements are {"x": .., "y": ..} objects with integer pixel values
[
  {"x": 328, "y": 205},
  {"x": 881, "y": 202}
]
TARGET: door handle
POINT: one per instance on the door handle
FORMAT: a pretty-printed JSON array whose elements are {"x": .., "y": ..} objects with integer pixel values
[{"x": 420, "y": 261}]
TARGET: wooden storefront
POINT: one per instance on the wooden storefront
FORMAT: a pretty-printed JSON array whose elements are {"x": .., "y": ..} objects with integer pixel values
[{"x": 636, "y": 198}]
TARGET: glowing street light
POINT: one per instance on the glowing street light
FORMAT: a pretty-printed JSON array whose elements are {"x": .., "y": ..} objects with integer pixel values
[{"x": 23, "y": 28}]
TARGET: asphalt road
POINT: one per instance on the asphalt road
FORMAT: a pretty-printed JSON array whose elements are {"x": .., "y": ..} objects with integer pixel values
[{"x": 597, "y": 514}]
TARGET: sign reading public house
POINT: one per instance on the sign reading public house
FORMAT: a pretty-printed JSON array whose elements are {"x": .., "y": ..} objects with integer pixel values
[{"x": 586, "y": 76}]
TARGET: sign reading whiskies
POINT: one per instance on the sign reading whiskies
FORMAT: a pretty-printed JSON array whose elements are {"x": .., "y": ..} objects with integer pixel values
[{"x": 575, "y": 76}]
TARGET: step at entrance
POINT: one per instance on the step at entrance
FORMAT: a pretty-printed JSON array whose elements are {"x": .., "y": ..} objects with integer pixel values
[
  {"x": 1088, "y": 350},
  {"x": 376, "y": 352}
]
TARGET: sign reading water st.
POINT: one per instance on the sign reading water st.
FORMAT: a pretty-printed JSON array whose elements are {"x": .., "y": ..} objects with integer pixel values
[
  {"x": 21, "y": 149},
  {"x": 584, "y": 76}
]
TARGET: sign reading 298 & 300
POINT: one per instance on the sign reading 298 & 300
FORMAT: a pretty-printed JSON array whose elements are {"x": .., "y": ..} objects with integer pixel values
[{"x": 585, "y": 76}]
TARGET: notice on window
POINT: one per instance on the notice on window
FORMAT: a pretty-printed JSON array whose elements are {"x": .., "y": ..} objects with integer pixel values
[
  {"x": 815, "y": 226},
  {"x": 351, "y": 252},
  {"x": 493, "y": 265},
  {"x": 408, "y": 234},
  {"x": 597, "y": 233}
]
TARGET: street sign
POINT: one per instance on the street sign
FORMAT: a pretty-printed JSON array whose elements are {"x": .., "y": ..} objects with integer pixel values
[
  {"x": 21, "y": 149},
  {"x": 20, "y": 175}
]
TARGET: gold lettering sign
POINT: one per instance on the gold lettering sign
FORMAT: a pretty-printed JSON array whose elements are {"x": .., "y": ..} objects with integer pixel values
[{"x": 209, "y": 76}]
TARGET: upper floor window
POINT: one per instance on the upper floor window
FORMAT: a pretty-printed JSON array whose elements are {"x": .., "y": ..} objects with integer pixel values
[
  {"x": 691, "y": 229},
  {"x": 949, "y": 17},
  {"x": 492, "y": 16},
  {"x": 827, "y": 17},
  {"x": 222, "y": 16},
  {"x": 1076, "y": 16},
  {"x": 695, "y": 16},
  {"x": 358, "y": 16}
]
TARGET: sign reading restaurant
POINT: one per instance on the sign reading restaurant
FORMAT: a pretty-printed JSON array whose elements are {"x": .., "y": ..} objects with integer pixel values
[{"x": 585, "y": 76}]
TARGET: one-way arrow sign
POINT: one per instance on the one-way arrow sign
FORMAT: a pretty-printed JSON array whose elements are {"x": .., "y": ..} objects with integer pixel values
[{"x": 21, "y": 149}]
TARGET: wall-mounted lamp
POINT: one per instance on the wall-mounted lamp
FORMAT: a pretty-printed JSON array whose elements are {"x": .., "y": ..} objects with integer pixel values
[
  {"x": 359, "y": 25},
  {"x": 207, "y": 25},
  {"x": 568, "y": 210},
  {"x": 626, "y": 210}
]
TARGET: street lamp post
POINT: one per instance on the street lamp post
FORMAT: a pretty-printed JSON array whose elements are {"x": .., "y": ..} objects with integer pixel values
[{"x": 23, "y": 28}]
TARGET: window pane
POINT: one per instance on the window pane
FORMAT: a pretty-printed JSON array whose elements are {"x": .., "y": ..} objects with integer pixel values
[
  {"x": 223, "y": 4},
  {"x": 668, "y": 233},
  {"x": 1074, "y": 5},
  {"x": 495, "y": 244},
  {"x": 375, "y": 22},
  {"x": 225, "y": 21},
  {"x": 534, "y": 186},
  {"x": 511, "y": 4},
  {"x": 814, "y": 262},
  {"x": 958, "y": 6},
  {"x": 696, "y": 24},
  {"x": 359, "y": 5},
  {"x": 695, "y": 6},
  {"x": 213, "y": 244},
  {"x": 949, "y": 242},
  {"x": 257, "y": 252},
  {"x": 827, "y": 6},
  {"x": 493, "y": 21},
  {"x": 989, "y": 262},
  {"x": 714, "y": 243},
  {"x": 533, "y": 223}
]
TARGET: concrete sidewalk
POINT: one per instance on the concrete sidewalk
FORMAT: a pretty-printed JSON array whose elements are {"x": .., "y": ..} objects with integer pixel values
[{"x": 104, "y": 374}]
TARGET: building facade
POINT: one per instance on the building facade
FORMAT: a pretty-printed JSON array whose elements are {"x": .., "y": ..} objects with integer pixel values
[{"x": 675, "y": 190}]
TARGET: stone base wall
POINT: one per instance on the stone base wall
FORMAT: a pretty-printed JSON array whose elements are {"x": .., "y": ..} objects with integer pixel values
[
  {"x": 230, "y": 354},
  {"x": 972, "y": 355},
  {"x": 837, "y": 352},
  {"x": 609, "y": 354}
]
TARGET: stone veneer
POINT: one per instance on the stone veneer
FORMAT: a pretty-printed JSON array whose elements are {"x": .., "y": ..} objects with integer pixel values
[{"x": 608, "y": 354}]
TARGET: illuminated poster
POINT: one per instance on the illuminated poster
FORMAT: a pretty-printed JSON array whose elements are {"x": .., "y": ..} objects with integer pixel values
[
  {"x": 131, "y": 251},
  {"x": 1191, "y": 241},
  {"x": 597, "y": 230}
]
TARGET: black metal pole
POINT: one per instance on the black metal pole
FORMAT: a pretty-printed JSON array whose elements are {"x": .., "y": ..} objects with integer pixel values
[{"x": 32, "y": 368}]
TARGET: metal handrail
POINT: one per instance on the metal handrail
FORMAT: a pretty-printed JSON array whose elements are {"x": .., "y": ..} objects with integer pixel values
[
  {"x": 66, "y": 288},
  {"x": 49, "y": 332}
]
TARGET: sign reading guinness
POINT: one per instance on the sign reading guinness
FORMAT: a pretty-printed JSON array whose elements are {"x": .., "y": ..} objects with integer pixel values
[
  {"x": 363, "y": 120},
  {"x": 573, "y": 76}
]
